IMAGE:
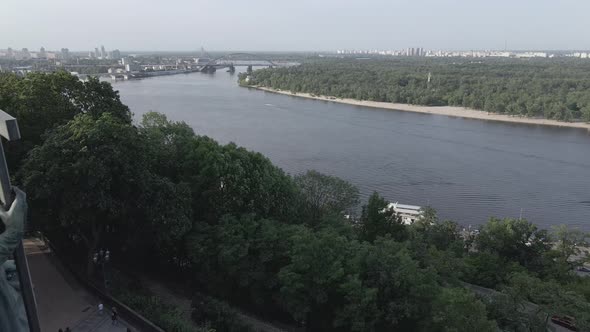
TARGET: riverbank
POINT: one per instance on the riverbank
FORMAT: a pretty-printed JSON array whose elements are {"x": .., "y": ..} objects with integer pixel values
[{"x": 453, "y": 111}]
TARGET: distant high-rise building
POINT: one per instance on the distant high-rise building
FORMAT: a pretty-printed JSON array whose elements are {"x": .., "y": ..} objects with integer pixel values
[
  {"x": 25, "y": 54},
  {"x": 116, "y": 54},
  {"x": 9, "y": 52},
  {"x": 103, "y": 53},
  {"x": 96, "y": 53},
  {"x": 65, "y": 53}
]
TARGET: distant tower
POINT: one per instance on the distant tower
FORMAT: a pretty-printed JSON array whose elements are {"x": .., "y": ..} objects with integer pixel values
[
  {"x": 96, "y": 54},
  {"x": 103, "y": 53},
  {"x": 65, "y": 53},
  {"x": 25, "y": 53}
]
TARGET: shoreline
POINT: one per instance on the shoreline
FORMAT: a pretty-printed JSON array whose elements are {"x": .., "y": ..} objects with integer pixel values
[{"x": 452, "y": 111}]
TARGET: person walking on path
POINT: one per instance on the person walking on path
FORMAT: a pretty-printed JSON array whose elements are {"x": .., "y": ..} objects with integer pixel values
[
  {"x": 100, "y": 308},
  {"x": 114, "y": 316}
]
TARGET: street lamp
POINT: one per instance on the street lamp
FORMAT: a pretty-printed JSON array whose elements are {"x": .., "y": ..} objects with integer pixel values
[{"x": 101, "y": 258}]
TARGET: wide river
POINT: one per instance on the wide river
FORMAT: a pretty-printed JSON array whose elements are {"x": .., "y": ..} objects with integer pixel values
[{"x": 467, "y": 169}]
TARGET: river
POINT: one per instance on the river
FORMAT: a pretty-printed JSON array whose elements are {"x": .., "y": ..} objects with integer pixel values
[{"x": 468, "y": 170}]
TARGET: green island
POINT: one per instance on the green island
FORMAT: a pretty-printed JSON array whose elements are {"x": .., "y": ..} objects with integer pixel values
[
  {"x": 555, "y": 89},
  {"x": 238, "y": 232}
]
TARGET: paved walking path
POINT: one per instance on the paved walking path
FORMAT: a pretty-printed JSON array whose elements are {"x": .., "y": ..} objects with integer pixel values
[{"x": 61, "y": 300}]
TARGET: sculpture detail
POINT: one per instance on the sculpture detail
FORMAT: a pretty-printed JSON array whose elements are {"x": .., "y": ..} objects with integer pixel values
[{"x": 13, "y": 316}]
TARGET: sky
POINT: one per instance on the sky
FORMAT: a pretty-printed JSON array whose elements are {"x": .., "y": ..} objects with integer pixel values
[{"x": 294, "y": 25}]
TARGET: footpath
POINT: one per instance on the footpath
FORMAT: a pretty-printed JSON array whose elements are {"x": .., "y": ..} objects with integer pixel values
[{"x": 61, "y": 300}]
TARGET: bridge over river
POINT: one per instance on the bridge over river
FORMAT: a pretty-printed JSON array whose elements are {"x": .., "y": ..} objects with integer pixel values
[{"x": 240, "y": 59}]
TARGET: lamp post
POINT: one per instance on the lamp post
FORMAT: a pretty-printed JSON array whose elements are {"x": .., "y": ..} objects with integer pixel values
[{"x": 101, "y": 258}]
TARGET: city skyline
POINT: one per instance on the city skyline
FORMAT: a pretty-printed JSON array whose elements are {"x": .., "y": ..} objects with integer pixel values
[
  {"x": 307, "y": 25},
  {"x": 341, "y": 50},
  {"x": 103, "y": 54}
]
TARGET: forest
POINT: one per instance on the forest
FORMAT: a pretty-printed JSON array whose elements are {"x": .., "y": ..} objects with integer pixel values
[
  {"x": 239, "y": 232},
  {"x": 556, "y": 89}
]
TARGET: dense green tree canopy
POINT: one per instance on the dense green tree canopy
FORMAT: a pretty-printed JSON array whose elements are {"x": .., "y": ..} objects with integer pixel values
[
  {"x": 324, "y": 193},
  {"x": 553, "y": 89},
  {"x": 229, "y": 223},
  {"x": 514, "y": 239},
  {"x": 41, "y": 101},
  {"x": 379, "y": 220},
  {"x": 457, "y": 309},
  {"x": 87, "y": 176}
]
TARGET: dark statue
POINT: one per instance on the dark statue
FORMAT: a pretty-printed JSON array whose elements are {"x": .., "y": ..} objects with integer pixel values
[{"x": 12, "y": 309}]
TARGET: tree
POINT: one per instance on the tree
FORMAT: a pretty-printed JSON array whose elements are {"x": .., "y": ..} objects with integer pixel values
[
  {"x": 359, "y": 312},
  {"x": 548, "y": 299},
  {"x": 168, "y": 145},
  {"x": 250, "y": 183},
  {"x": 377, "y": 219},
  {"x": 87, "y": 177},
  {"x": 510, "y": 86},
  {"x": 457, "y": 309},
  {"x": 488, "y": 269},
  {"x": 317, "y": 280},
  {"x": 571, "y": 245},
  {"x": 443, "y": 235},
  {"x": 428, "y": 216},
  {"x": 164, "y": 218},
  {"x": 514, "y": 239},
  {"x": 251, "y": 252},
  {"x": 510, "y": 314},
  {"x": 586, "y": 113},
  {"x": 404, "y": 289},
  {"x": 323, "y": 194},
  {"x": 41, "y": 101}
]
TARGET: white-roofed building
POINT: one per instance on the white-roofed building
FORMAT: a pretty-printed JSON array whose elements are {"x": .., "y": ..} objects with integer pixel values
[{"x": 408, "y": 213}]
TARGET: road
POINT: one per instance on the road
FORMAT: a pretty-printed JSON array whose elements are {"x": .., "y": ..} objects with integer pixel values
[{"x": 61, "y": 300}]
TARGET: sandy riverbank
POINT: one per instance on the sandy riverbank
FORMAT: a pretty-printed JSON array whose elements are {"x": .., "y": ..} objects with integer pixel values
[{"x": 440, "y": 110}]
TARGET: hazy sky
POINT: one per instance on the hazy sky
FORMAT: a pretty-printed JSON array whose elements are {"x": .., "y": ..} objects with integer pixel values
[{"x": 282, "y": 25}]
